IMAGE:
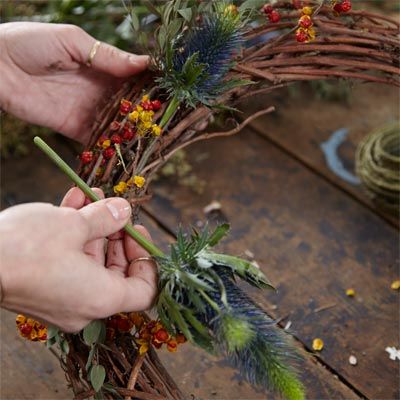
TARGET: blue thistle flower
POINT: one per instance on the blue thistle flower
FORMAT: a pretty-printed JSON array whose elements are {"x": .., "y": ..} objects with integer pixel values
[
  {"x": 264, "y": 356},
  {"x": 201, "y": 59},
  {"x": 199, "y": 298}
]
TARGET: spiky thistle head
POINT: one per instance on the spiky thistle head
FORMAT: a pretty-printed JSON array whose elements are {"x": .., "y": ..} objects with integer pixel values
[
  {"x": 195, "y": 67},
  {"x": 198, "y": 297}
]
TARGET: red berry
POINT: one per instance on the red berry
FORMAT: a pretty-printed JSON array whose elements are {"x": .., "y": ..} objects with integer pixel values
[
  {"x": 274, "y": 16},
  {"x": 25, "y": 329},
  {"x": 338, "y": 7},
  {"x": 128, "y": 134},
  {"x": 116, "y": 139},
  {"x": 115, "y": 125},
  {"x": 108, "y": 153},
  {"x": 161, "y": 335},
  {"x": 125, "y": 107},
  {"x": 301, "y": 36},
  {"x": 147, "y": 105},
  {"x": 305, "y": 21},
  {"x": 267, "y": 9},
  {"x": 156, "y": 105},
  {"x": 86, "y": 157},
  {"x": 346, "y": 6},
  {"x": 125, "y": 325}
]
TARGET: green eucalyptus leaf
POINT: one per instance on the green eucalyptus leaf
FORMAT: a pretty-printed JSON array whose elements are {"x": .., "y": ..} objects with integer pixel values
[
  {"x": 64, "y": 346},
  {"x": 97, "y": 376},
  {"x": 90, "y": 358},
  {"x": 251, "y": 4},
  {"x": 52, "y": 331},
  {"x": 51, "y": 342},
  {"x": 92, "y": 332}
]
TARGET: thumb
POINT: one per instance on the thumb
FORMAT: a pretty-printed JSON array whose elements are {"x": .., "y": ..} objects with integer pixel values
[
  {"x": 105, "y": 217},
  {"x": 107, "y": 58}
]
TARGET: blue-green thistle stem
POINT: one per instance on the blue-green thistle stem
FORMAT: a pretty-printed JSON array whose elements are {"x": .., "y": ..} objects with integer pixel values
[
  {"x": 170, "y": 111},
  {"x": 150, "y": 247}
]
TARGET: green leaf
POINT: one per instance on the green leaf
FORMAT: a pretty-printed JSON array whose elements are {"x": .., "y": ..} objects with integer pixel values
[
  {"x": 52, "y": 331},
  {"x": 51, "y": 342},
  {"x": 97, "y": 376},
  {"x": 92, "y": 332},
  {"x": 135, "y": 20},
  {"x": 245, "y": 269},
  {"x": 218, "y": 234},
  {"x": 186, "y": 13},
  {"x": 64, "y": 346},
  {"x": 90, "y": 358},
  {"x": 251, "y": 4}
]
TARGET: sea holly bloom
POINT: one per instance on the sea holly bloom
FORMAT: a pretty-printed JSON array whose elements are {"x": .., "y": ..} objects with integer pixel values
[{"x": 120, "y": 188}]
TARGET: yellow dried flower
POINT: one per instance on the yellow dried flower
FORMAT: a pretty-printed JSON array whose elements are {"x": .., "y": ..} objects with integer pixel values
[
  {"x": 145, "y": 98},
  {"x": 350, "y": 292},
  {"x": 146, "y": 116},
  {"x": 106, "y": 144},
  {"x": 139, "y": 109},
  {"x": 395, "y": 285},
  {"x": 307, "y": 10},
  {"x": 121, "y": 188},
  {"x": 317, "y": 344},
  {"x": 231, "y": 9},
  {"x": 139, "y": 181},
  {"x": 133, "y": 116},
  {"x": 156, "y": 130}
]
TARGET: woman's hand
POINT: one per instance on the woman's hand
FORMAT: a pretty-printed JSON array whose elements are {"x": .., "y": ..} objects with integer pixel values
[
  {"x": 44, "y": 79},
  {"x": 54, "y": 266}
]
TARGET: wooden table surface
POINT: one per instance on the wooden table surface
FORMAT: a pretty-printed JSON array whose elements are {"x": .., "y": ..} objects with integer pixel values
[{"x": 313, "y": 234}]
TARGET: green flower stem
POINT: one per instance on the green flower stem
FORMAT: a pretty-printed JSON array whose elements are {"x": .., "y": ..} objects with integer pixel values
[
  {"x": 150, "y": 247},
  {"x": 169, "y": 112}
]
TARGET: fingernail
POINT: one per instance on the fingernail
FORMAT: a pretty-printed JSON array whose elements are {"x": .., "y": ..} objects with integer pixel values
[
  {"x": 119, "y": 208},
  {"x": 135, "y": 59}
]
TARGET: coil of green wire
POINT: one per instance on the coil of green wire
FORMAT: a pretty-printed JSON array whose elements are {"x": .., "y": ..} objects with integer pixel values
[{"x": 378, "y": 166}]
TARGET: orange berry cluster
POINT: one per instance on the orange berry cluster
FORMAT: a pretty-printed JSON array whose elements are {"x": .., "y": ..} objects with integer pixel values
[
  {"x": 305, "y": 32},
  {"x": 146, "y": 333},
  {"x": 132, "y": 120},
  {"x": 31, "y": 329}
]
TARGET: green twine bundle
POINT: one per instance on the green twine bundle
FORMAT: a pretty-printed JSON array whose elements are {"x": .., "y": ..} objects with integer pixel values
[{"x": 378, "y": 166}]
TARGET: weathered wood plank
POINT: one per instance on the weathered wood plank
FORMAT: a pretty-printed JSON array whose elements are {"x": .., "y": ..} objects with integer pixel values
[
  {"x": 313, "y": 241},
  {"x": 302, "y": 123},
  {"x": 199, "y": 374}
]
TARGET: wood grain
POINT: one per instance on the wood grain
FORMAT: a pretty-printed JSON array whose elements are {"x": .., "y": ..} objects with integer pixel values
[{"x": 302, "y": 123}]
